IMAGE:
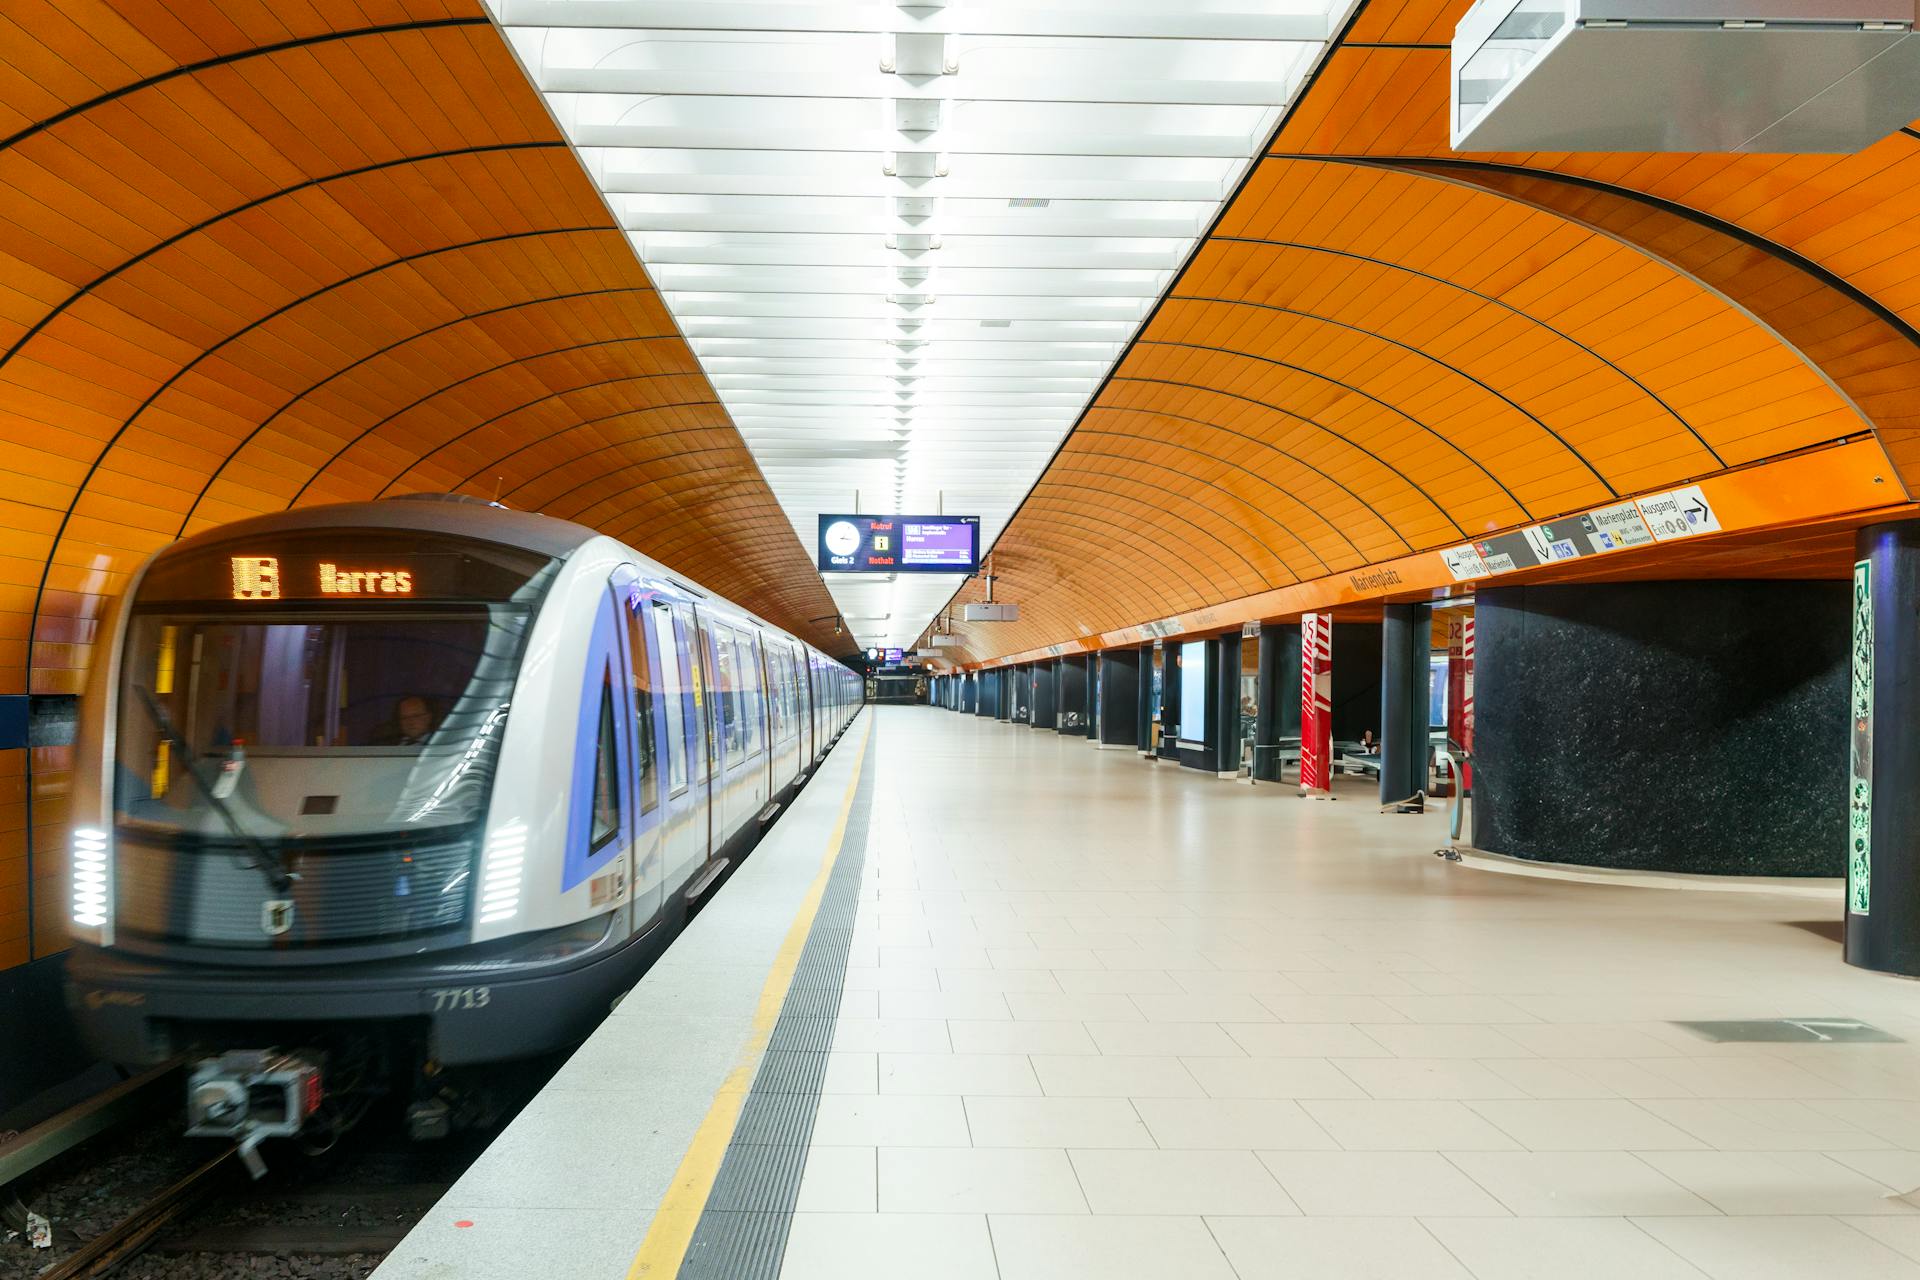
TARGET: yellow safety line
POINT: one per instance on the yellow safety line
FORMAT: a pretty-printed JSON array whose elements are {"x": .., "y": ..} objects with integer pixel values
[{"x": 671, "y": 1231}]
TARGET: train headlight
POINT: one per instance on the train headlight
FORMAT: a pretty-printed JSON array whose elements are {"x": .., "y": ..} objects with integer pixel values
[
  {"x": 91, "y": 883},
  {"x": 501, "y": 873}
]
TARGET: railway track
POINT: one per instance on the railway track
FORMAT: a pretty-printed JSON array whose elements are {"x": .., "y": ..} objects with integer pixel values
[{"x": 107, "y": 1252}]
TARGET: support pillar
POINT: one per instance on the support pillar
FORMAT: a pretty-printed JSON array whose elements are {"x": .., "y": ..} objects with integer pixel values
[
  {"x": 1883, "y": 759},
  {"x": 1120, "y": 699},
  {"x": 1405, "y": 641},
  {"x": 1070, "y": 696},
  {"x": 1316, "y": 703},
  {"x": 1223, "y": 687},
  {"x": 1143, "y": 702},
  {"x": 1090, "y": 709},
  {"x": 1277, "y": 699},
  {"x": 1170, "y": 699},
  {"x": 1045, "y": 709}
]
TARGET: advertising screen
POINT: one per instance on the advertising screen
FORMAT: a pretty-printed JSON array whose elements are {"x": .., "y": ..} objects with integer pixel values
[
  {"x": 898, "y": 544},
  {"x": 1193, "y": 691},
  {"x": 893, "y": 657}
]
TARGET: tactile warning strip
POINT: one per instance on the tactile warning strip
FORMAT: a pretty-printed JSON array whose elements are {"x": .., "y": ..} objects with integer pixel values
[{"x": 742, "y": 1233}]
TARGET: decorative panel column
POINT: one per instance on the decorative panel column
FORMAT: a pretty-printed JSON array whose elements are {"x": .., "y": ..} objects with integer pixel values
[{"x": 1316, "y": 703}]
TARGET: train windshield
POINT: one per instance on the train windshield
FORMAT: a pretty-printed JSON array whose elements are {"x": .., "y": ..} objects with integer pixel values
[{"x": 262, "y": 720}]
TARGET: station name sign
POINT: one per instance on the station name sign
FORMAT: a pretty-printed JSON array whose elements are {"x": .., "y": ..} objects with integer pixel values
[{"x": 898, "y": 544}]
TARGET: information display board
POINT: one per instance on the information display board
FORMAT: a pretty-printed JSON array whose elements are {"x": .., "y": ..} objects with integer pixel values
[{"x": 898, "y": 544}]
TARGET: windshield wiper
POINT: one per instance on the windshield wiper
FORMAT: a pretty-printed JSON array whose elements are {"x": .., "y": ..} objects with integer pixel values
[{"x": 278, "y": 878}]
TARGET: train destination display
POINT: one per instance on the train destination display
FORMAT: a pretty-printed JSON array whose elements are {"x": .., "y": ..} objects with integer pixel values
[{"x": 899, "y": 544}]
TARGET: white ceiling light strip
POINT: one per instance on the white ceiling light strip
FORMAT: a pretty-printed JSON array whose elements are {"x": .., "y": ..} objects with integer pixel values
[{"x": 907, "y": 242}]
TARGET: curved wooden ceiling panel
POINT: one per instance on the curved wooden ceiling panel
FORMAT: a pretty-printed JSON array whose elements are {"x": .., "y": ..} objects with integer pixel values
[
  {"x": 1382, "y": 347},
  {"x": 261, "y": 256}
]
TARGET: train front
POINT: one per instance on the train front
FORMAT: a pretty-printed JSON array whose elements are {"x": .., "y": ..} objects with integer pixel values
[{"x": 280, "y": 841}]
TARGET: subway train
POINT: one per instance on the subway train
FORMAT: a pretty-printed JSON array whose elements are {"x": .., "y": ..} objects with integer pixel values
[{"x": 368, "y": 794}]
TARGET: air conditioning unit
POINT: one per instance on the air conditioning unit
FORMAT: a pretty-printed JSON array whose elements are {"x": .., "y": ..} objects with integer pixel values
[
  {"x": 990, "y": 612},
  {"x": 944, "y": 642},
  {"x": 1683, "y": 75}
]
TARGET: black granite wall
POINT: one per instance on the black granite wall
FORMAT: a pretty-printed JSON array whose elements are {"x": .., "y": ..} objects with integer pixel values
[
  {"x": 1356, "y": 680},
  {"x": 1673, "y": 726}
]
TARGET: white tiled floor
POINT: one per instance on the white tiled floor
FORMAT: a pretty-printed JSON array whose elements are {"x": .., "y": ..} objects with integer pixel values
[{"x": 1118, "y": 1019}]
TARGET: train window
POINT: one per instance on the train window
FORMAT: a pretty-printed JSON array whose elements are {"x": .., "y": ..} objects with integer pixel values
[
  {"x": 727, "y": 695},
  {"x": 642, "y": 711},
  {"x": 776, "y": 707},
  {"x": 790, "y": 690},
  {"x": 672, "y": 691},
  {"x": 606, "y": 772},
  {"x": 752, "y": 705}
]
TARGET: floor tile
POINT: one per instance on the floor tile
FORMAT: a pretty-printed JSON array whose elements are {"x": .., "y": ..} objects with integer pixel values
[
  {"x": 1240, "y": 1124},
  {"x": 1585, "y": 1125},
  {"x": 973, "y": 1005},
  {"x": 860, "y": 978},
  {"x": 1056, "y": 1122},
  {"x": 1559, "y": 1249},
  {"x": 1443, "y": 1040},
  {"x": 1374, "y": 1184},
  {"x": 1304, "y": 1040},
  {"x": 1093, "y": 1006},
  {"x": 1476, "y": 1009},
  {"x": 1578, "y": 1184},
  {"x": 1776, "y": 1182},
  {"x": 957, "y": 1073},
  {"x": 1334, "y": 1249},
  {"x": 1178, "y": 1182},
  {"x": 1185, "y": 1039},
  {"x": 851, "y": 1073},
  {"x": 1376, "y": 1124},
  {"x": 1031, "y": 957},
  {"x": 1271, "y": 1078},
  {"x": 1006, "y": 981},
  {"x": 1329, "y": 1008},
  {"x": 1902, "y": 1235},
  {"x": 1132, "y": 982},
  {"x": 1762, "y": 1124},
  {"x": 891, "y": 1035},
  {"x": 1082, "y": 1076},
  {"x": 1427, "y": 1078},
  {"x": 1225, "y": 982},
  {"x": 1018, "y": 1036},
  {"x": 887, "y": 1246},
  {"x": 1188, "y": 1006},
  {"x": 1034, "y": 1247},
  {"x": 849, "y": 1120},
  {"x": 838, "y": 1180},
  {"x": 978, "y": 1180},
  {"x": 1792, "y": 1248}
]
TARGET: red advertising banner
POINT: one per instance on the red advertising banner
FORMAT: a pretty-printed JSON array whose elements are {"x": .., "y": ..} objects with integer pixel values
[
  {"x": 1460, "y": 688},
  {"x": 1316, "y": 702}
]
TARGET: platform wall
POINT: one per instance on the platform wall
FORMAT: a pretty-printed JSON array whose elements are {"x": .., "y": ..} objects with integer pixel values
[{"x": 1674, "y": 726}]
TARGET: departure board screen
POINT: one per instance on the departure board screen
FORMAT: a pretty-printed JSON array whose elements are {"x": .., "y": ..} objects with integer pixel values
[{"x": 899, "y": 544}]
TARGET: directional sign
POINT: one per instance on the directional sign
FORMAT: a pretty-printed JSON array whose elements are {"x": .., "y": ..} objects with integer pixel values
[
  {"x": 1679, "y": 514},
  {"x": 1506, "y": 552},
  {"x": 1616, "y": 527},
  {"x": 1464, "y": 563}
]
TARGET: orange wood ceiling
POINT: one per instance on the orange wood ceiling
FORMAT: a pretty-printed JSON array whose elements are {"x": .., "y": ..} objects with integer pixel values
[
  {"x": 255, "y": 255},
  {"x": 1385, "y": 347}
]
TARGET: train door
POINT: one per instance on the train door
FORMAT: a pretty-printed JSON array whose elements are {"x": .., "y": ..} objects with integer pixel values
[
  {"x": 706, "y": 717},
  {"x": 684, "y": 828},
  {"x": 599, "y": 853},
  {"x": 643, "y": 773},
  {"x": 765, "y": 665}
]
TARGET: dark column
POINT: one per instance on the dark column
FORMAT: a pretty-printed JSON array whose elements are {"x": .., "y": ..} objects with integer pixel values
[
  {"x": 1070, "y": 696},
  {"x": 1665, "y": 726},
  {"x": 1003, "y": 705},
  {"x": 1045, "y": 709},
  {"x": 1406, "y": 636},
  {"x": 1223, "y": 687},
  {"x": 1883, "y": 758},
  {"x": 1277, "y": 702},
  {"x": 1090, "y": 711},
  {"x": 1356, "y": 680},
  {"x": 1120, "y": 698},
  {"x": 1143, "y": 702}
]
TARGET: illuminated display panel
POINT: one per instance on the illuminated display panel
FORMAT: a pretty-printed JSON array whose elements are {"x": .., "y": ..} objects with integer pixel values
[
  {"x": 343, "y": 566},
  {"x": 899, "y": 544}
]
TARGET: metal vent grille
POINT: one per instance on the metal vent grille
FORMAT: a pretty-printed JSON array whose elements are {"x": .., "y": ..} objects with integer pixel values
[{"x": 215, "y": 897}]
